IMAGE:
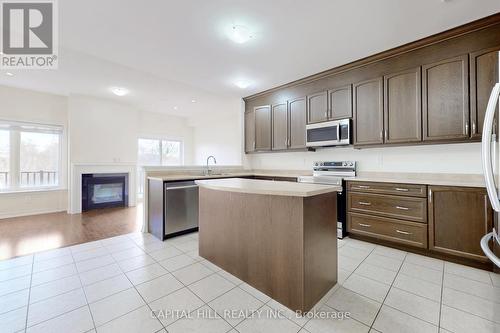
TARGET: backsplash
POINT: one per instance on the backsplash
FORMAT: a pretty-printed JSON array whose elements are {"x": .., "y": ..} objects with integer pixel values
[{"x": 450, "y": 158}]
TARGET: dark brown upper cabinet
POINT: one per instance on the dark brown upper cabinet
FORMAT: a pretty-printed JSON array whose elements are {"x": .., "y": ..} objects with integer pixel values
[
  {"x": 402, "y": 107},
  {"x": 340, "y": 102},
  {"x": 483, "y": 76},
  {"x": 250, "y": 131},
  {"x": 280, "y": 126},
  {"x": 317, "y": 107},
  {"x": 458, "y": 218},
  {"x": 297, "y": 116},
  {"x": 445, "y": 107},
  {"x": 263, "y": 128},
  {"x": 368, "y": 112}
]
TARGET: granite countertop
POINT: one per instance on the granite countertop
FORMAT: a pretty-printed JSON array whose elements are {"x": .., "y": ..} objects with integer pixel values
[
  {"x": 265, "y": 187},
  {"x": 442, "y": 179}
]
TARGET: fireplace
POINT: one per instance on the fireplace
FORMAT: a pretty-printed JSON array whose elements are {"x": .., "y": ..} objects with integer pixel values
[{"x": 104, "y": 190}]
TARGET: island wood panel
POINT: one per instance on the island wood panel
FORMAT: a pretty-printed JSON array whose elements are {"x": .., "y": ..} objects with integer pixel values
[
  {"x": 320, "y": 259},
  {"x": 156, "y": 208},
  {"x": 278, "y": 244}
]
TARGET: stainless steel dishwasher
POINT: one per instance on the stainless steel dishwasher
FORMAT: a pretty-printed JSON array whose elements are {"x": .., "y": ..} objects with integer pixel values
[{"x": 181, "y": 207}]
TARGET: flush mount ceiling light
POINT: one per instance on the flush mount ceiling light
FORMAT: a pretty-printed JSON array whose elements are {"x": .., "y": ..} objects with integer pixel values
[
  {"x": 193, "y": 101},
  {"x": 9, "y": 74},
  {"x": 240, "y": 34},
  {"x": 242, "y": 84},
  {"x": 119, "y": 91},
  {"x": 175, "y": 107}
]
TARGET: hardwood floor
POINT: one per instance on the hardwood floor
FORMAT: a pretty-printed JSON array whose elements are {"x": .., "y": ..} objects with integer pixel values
[{"x": 29, "y": 234}]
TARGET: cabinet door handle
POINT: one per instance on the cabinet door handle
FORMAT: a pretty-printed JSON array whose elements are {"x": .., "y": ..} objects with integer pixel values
[
  {"x": 467, "y": 128},
  {"x": 403, "y": 232},
  {"x": 386, "y": 135},
  {"x": 401, "y": 189},
  {"x": 363, "y": 186},
  {"x": 474, "y": 127},
  {"x": 364, "y": 203},
  {"x": 402, "y": 208},
  {"x": 254, "y": 145},
  {"x": 430, "y": 196},
  {"x": 381, "y": 135},
  {"x": 364, "y": 225}
]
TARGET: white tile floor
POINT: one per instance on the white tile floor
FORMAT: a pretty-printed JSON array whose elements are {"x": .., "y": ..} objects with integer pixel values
[{"x": 114, "y": 284}]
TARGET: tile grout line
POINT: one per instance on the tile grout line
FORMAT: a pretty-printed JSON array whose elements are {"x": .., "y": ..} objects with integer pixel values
[
  {"x": 84, "y": 293},
  {"x": 388, "y": 291},
  {"x": 29, "y": 294}
]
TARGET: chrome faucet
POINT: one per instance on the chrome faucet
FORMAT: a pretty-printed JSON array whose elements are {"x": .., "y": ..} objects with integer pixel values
[{"x": 208, "y": 171}]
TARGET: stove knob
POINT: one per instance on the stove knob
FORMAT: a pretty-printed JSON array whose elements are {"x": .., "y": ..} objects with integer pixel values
[
  {"x": 316, "y": 164},
  {"x": 351, "y": 163},
  {"x": 344, "y": 164}
]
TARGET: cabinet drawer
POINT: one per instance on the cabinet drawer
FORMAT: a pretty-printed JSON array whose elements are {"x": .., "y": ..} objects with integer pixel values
[
  {"x": 409, "y": 233},
  {"x": 406, "y": 208},
  {"x": 410, "y": 190}
]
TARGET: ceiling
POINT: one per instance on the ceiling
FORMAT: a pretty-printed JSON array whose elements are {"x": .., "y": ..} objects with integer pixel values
[{"x": 170, "y": 52}]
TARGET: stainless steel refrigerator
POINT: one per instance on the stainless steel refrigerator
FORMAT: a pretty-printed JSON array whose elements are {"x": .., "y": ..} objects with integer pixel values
[{"x": 490, "y": 243}]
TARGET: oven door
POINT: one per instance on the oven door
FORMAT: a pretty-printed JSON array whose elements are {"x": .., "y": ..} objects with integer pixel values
[{"x": 323, "y": 134}]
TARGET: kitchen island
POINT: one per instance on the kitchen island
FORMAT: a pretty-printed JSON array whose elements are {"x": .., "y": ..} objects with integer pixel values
[{"x": 279, "y": 237}]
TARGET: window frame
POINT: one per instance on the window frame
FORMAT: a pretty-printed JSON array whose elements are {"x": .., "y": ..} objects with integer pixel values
[
  {"x": 15, "y": 155},
  {"x": 161, "y": 139}
]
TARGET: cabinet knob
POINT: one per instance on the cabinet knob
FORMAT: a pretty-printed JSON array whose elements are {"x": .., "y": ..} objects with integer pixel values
[
  {"x": 403, "y": 232},
  {"x": 364, "y": 225},
  {"x": 363, "y": 203}
]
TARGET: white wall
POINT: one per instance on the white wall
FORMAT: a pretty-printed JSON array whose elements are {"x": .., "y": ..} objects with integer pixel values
[
  {"x": 30, "y": 106},
  {"x": 104, "y": 131},
  {"x": 449, "y": 158},
  {"x": 219, "y": 133}
]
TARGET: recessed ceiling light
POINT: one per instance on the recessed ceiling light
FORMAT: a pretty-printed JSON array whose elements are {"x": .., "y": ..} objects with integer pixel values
[
  {"x": 193, "y": 101},
  {"x": 119, "y": 91},
  {"x": 242, "y": 84},
  {"x": 175, "y": 107},
  {"x": 240, "y": 34},
  {"x": 9, "y": 74}
]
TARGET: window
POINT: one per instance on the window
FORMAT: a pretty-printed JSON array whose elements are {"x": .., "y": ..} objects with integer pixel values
[
  {"x": 30, "y": 155},
  {"x": 4, "y": 158},
  {"x": 157, "y": 152}
]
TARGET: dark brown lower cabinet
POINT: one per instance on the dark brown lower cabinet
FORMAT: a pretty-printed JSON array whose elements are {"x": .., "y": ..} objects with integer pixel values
[{"x": 458, "y": 218}]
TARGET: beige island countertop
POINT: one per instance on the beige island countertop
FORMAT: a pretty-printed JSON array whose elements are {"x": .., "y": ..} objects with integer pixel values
[{"x": 255, "y": 186}]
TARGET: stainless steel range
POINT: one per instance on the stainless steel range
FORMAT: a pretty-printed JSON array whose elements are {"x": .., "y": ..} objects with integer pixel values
[{"x": 333, "y": 173}]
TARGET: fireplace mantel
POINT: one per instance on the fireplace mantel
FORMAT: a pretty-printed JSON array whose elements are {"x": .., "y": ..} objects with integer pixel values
[{"x": 75, "y": 185}]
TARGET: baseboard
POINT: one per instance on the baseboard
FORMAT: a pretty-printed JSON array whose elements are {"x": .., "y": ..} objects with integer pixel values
[{"x": 38, "y": 212}]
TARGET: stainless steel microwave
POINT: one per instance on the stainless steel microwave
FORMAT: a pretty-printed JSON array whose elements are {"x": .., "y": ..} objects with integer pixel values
[{"x": 329, "y": 133}]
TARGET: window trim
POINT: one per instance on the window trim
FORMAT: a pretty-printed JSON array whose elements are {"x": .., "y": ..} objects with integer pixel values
[
  {"x": 161, "y": 138},
  {"x": 15, "y": 128}
]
